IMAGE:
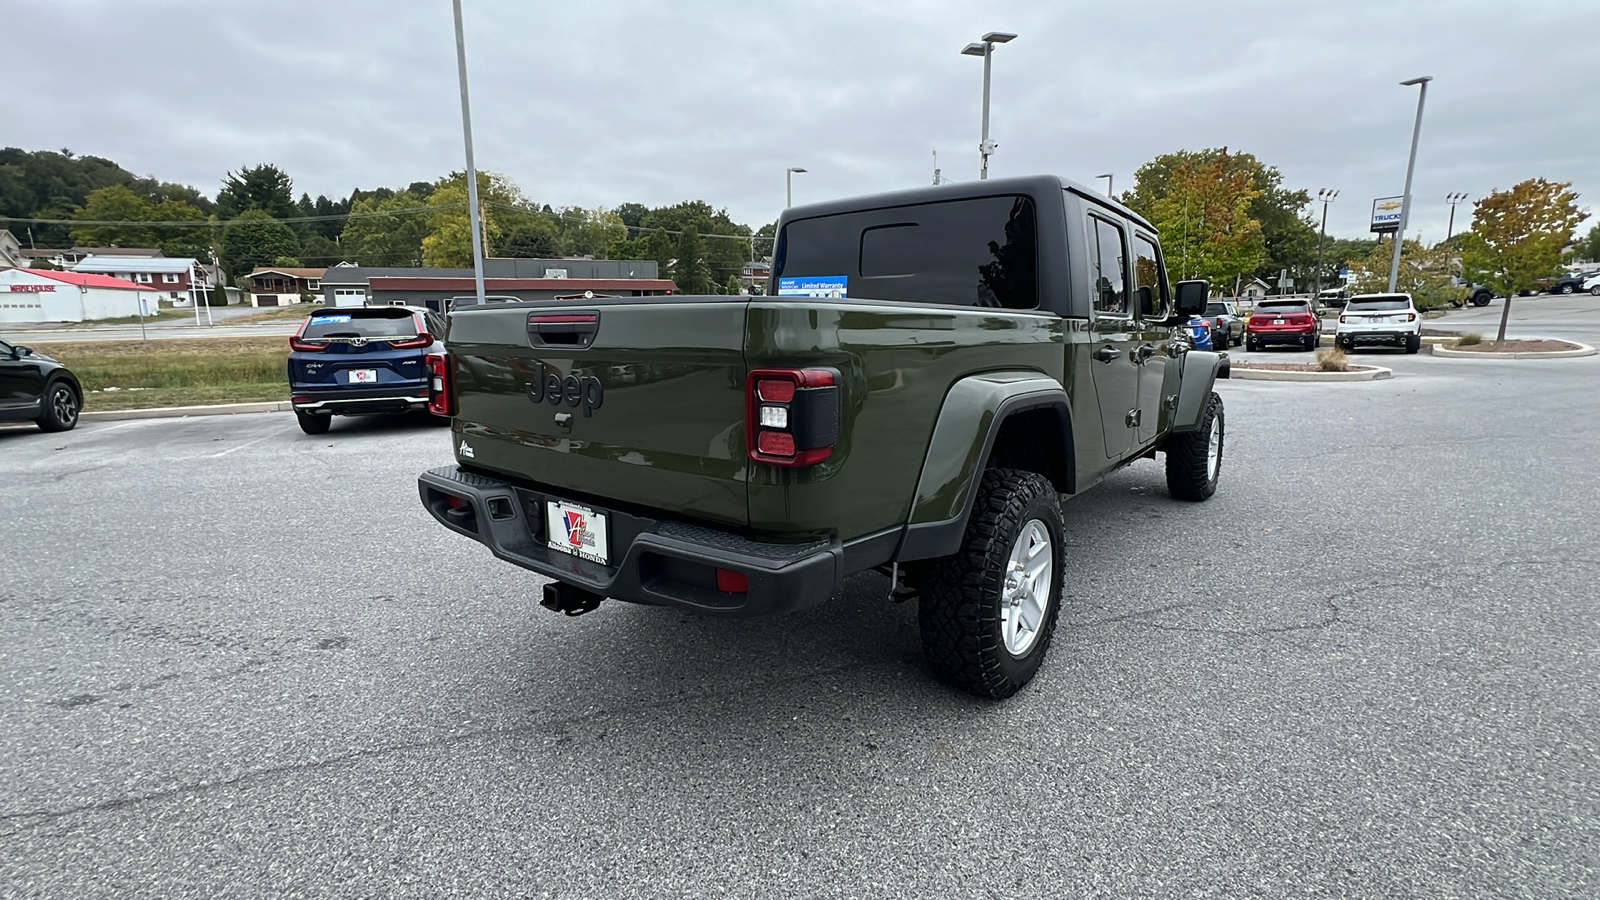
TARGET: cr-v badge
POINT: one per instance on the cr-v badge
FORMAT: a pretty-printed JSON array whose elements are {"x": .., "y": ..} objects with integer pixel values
[{"x": 549, "y": 387}]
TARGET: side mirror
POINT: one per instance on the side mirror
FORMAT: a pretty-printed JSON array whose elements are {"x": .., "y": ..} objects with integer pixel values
[
  {"x": 1191, "y": 299},
  {"x": 18, "y": 351}
]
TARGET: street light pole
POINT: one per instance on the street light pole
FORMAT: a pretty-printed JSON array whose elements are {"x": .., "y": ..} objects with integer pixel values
[
  {"x": 1452, "y": 199},
  {"x": 474, "y": 217},
  {"x": 1326, "y": 196},
  {"x": 1411, "y": 165},
  {"x": 788, "y": 180},
  {"x": 985, "y": 49},
  {"x": 1109, "y": 188}
]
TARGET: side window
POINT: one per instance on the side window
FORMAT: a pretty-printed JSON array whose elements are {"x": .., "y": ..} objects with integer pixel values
[
  {"x": 1109, "y": 268},
  {"x": 1149, "y": 279}
]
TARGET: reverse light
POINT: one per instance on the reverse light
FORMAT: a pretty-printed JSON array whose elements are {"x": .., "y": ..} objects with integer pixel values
[
  {"x": 440, "y": 400},
  {"x": 791, "y": 415}
]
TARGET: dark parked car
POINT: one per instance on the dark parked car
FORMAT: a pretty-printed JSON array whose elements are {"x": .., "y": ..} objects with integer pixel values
[
  {"x": 1283, "y": 322},
  {"x": 360, "y": 361},
  {"x": 36, "y": 388},
  {"x": 1565, "y": 283},
  {"x": 1227, "y": 328}
]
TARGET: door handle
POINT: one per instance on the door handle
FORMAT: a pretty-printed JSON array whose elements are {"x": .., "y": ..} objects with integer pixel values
[
  {"x": 1147, "y": 351},
  {"x": 1107, "y": 353}
]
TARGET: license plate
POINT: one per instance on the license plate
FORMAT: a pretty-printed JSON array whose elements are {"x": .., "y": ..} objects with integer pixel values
[
  {"x": 577, "y": 530},
  {"x": 1277, "y": 321},
  {"x": 363, "y": 376}
]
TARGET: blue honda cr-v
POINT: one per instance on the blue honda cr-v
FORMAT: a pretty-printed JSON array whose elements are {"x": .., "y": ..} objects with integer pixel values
[{"x": 362, "y": 360}]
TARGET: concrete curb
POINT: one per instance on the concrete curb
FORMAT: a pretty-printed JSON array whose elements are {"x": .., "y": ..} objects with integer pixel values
[
  {"x": 172, "y": 412},
  {"x": 1583, "y": 350},
  {"x": 1365, "y": 373}
]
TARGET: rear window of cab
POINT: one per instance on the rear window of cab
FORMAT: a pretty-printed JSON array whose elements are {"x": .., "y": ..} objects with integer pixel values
[
  {"x": 1379, "y": 303},
  {"x": 1280, "y": 309},
  {"x": 382, "y": 324}
]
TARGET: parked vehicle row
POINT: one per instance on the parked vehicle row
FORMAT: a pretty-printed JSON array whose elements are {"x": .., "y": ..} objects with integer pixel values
[
  {"x": 37, "y": 388},
  {"x": 1224, "y": 322}
]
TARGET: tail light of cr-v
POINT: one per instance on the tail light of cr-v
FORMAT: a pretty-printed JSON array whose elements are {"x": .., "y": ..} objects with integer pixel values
[
  {"x": 791, "y": 415},
  {"x": 440, "y": 401},
  {"x": 296, "y": 343}
]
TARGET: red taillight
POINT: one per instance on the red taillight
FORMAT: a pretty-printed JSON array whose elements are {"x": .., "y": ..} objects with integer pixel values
[
  {"x": 440, "y": 401},
  {"x": 731, "y": 582},
  {"x": 423, "y": 338},
  {"x": 791, "y": 415},
  {"x": 775, "y": 390},
  {"x": 1411, "y": 317},
  {"x": 1342, "y": 319},
  {"x": 295, "y": 343}
]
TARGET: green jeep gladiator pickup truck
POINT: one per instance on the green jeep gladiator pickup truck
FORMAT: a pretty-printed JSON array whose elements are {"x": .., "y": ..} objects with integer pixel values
[{"x": 930, "y": 371}]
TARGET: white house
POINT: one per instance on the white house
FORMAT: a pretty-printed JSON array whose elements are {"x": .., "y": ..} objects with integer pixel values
[
  {"x": 176, "y": 278},
  {"x": 37, "y": 295}
]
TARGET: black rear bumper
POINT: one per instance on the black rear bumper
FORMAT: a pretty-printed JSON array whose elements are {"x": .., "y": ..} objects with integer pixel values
[{"x": 660, "y": 562}]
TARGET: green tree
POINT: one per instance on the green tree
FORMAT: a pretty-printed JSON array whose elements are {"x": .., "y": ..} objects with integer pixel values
[
  {"x": 539, "y": 239},
  {"x": 1288, "y": 237},
  {"x": 1517, "y": 237},
  {"x": 501, "y": 204},
  {"x": 255, "y": 238},
  {"x": 1425, "y": 274},
  {"x": 120, "y": 205},
  {"x": 1589, "y": 247},
  {"x": 181, "y": 240},
  {"x": 265, "y": 187},
  {"x": 690, "y": 270},
  {"x": 733, "y": 286},
  {"x": 385, "y": 229},
  {"x": 1202, "y": 213}
]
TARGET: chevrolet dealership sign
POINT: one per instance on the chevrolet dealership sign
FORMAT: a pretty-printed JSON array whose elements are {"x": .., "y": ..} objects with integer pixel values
[{"x": 1386, "y": 215}]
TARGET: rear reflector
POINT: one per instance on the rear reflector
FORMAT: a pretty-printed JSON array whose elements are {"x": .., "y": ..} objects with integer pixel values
[{"x": 731, "y": 582}]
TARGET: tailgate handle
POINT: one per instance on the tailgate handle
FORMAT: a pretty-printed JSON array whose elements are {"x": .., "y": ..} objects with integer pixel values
[{"x": 573, "y": 329}]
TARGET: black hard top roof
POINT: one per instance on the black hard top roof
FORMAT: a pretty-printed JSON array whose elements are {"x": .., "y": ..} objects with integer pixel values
[{"x": 1035, "y": 185}]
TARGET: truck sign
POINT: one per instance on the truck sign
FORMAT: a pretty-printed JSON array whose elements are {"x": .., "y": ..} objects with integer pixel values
[{"x": 1386, "y": 214}]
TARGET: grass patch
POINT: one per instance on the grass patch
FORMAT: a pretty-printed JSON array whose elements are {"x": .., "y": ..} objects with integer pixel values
[
  {"x": 1469, "y": 339},
  {"x": 1332, "y": 359},
  {"x": 176, "y": 373},
  {"x": 121, "y": 320}
]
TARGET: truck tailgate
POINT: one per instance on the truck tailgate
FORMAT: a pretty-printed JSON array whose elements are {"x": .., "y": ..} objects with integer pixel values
[{"x": 650, "y": 404}]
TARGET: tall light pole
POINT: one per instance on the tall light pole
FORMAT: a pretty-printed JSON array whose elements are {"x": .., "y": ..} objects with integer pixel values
[
  {"x": 985, "y": 49},
  {"x": 1325, "y": 196},
  {"x": 474, "y": 219},
  {"x": 788, "y": 180},
  {"x": 1452, "y": 199},
  {"x": 1108, "y": 179},
  {"x": 1411, "y": 165}
]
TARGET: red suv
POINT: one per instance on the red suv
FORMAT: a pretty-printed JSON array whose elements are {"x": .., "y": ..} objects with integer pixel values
[{"x": 1283, "y": 322}]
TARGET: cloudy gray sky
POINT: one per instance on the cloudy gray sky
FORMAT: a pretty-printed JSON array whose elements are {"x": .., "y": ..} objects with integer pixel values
[{"x": 606, "y": 101}]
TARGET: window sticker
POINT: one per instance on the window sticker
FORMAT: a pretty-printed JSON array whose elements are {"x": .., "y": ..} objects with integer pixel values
[
  {"x": 824, "y": 286},
  {"x": 329, "y": 320}
]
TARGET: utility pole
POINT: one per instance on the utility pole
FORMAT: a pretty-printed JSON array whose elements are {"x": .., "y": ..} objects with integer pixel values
[
  {"x": 1109, "y": 189},
  {"x": 1326, "y": 196},
  {"x": 788, "y": 179},
  {"x": 474, "y": 225},
  {"x": 1411, "y": 165},
  {"x": 985, "y": 49}
]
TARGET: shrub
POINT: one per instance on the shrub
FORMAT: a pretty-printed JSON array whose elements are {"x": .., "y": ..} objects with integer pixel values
[
  {"x": 1467, "y": 340},
  {"x": 1332, "y": 359}
]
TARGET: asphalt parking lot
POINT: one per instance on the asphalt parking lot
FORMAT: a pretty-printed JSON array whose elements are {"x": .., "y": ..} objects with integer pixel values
[{"x": 239, "y": 660}]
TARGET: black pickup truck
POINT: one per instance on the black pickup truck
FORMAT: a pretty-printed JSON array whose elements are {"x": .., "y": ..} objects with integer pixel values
[{"x": 929, "y": 372}]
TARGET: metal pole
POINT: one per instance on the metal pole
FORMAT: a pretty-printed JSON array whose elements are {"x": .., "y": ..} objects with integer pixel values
[
  {"x": 472, "y": 172},
  {"x": 983, "y": 143},
  {"x": 1411, "y": 165},
  {"x": 1326, "y": 196},
  {"x": 788, "y": 186}
]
